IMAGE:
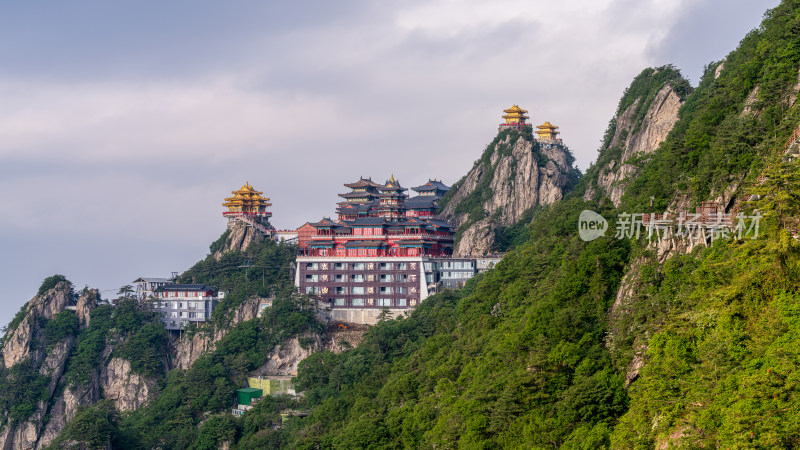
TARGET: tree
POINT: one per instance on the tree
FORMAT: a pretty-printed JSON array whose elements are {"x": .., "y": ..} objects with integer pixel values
[
  {"x": 126, "y": 293},
  {"x": 779, "y": 191}
]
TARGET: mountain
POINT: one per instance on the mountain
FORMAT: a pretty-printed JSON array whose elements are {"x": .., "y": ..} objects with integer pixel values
[
  {"x": 65, "y": 350},
  {"x": 513, "y": 175},
  {"x": 623, "y": 341}
]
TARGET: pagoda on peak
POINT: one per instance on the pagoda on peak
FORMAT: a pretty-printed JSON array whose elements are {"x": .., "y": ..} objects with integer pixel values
[
  {"x": 391, "y": 200},
  {"x": 515, "y": 118},
  {"x": 547, "y": 133},
  {"x": 247, "y": 202}
]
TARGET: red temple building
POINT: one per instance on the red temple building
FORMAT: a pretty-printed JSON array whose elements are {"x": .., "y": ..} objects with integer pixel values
[
  {"x": 381, "y": 220},
  {"x": 380, "y": 252}
]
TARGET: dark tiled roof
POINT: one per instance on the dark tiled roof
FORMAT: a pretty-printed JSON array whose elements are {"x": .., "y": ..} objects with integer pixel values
[
  {"x": 375, "y": 243},
  {"x": 414, "y": 242},
  {"x": 325, "y": 223},
  {"x": 326, "y": 243},
  {"x": 370, "y": 195},
  {"x": 440, "y": 223},
  {"x": 420, "y": 202},
  {"x": 432, "y": 185},
  {"x": 186, "y": 287},
  {"x": 362, "y": 183},
  {"x": 363, "y": 221}
]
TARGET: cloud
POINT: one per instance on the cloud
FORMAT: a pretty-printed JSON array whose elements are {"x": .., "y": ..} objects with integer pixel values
[{"x": 123, "y": 126}]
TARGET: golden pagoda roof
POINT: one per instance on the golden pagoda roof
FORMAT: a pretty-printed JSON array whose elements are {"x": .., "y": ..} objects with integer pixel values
[
  {"x": 547, "y": 126},
  {"x": 515, "y": 109},
  {"x": 247, "y": 195},
  {"x": 515, "y": 112}
]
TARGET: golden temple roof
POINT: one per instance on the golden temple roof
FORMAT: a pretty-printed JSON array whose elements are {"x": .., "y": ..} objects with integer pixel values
[
  {"x": 547, "y": 131},
  {"x": 515, "y": 109},
  {"x": 515, "y": 114},
  {"x": 247, "y": 199}
]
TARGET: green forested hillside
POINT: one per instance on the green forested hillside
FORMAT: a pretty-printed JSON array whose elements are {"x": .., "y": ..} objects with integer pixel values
[
  {"x": 700, "y": 350},
  {"x": 530, "y": 356}
]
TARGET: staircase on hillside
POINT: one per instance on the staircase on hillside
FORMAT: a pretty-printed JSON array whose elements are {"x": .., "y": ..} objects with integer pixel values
[{"x": 251, "y": 222}]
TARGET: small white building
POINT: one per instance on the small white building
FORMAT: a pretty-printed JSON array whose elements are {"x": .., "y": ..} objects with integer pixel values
[
  {"x": 180, "y": 304},
  {"x": 146, "y": 287}
]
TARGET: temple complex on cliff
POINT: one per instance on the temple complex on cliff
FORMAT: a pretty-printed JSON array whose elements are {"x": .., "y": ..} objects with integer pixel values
[
  {"x": 383, "y": 251},
  {"x": 248, "y": 206}
]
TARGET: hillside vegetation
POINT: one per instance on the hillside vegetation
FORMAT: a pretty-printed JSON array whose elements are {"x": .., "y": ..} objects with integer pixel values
[
  {"x": 613, "y": 343},
  {"x": 529, "y": 355}
]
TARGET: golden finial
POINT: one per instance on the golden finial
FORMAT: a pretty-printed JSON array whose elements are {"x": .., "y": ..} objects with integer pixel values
[{"x": 392, "y": 179}]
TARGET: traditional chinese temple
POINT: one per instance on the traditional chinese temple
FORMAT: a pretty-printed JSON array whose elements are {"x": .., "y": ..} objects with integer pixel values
[
  {"x": 381, "y": 220},
  {"x": 515, "y": 118},
  {"x": 249, "y": 206},
  {"x": 547, "y": 132},
  {"x": 378, "y": 253}
]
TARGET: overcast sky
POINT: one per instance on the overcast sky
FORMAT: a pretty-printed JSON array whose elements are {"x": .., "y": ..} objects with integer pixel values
[{"x": 124, "y": 125}]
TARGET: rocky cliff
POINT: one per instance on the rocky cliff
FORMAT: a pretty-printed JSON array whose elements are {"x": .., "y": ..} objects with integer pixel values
[
  {"x": 515, "y": 174},
  {"x": 187, "y": 348},
  {"x": 237, "y": 238},
  {"x": 646, "y": 115},
  {"x": 27, "y": 348}
]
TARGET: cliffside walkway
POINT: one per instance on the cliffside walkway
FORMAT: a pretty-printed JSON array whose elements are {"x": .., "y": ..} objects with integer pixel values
[{"x": 249, "y": 221}]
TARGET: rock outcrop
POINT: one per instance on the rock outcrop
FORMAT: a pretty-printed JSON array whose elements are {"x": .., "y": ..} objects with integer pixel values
[
  {"x": 22, "y": 341},
  {"x": 633, "y": 137},
  {"x": 25, "y": 345},
  {"x": 187, "y": 349},
  {"x": 514, "y": 175},
  {"x": 240, "y": 237},
  {"x": 126, "y": 389}
]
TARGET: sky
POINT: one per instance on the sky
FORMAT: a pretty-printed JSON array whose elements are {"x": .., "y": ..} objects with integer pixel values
[{"x": 124, "y": 125}]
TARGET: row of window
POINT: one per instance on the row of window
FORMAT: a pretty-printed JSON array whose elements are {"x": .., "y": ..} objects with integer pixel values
[
  {"x": 181, "y": 294},
  {"x": 401, "y": 302},
  {"x": 358, "y": 278},
  {"x": 457, "y": 265},
  {"x": 179, "y": 305},
  {"x": 452, "y": 265},
  {"x": 457, "y": 275},
  {"x": 360, "y": 266},
  {"x": 360, "y": 290},
  {"x": 184, "y": 314}
]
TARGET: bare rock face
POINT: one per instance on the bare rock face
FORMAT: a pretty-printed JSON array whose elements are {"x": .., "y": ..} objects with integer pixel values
[
  {"x": 750, "y": 103},
  {"x": 19, "y": 341},
  {"x": 659, "y": 120},
  {"x": 239, "y": 238},
  {"x": 32, "y": 433},
  {"x": 530, "y": 174},
  {"x": 477, "y": 239},
  {"x": 285, "y": 357},
  {"x": 126, "y": 389},
  {"x": 340, "y": 340},
  {"x": 84, "y": 306},
  {"x": 187, "y": 349}
]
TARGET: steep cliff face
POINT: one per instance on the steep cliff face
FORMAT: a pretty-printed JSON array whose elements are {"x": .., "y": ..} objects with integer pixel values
[
  {"x": 126, "y": 389},
  {"x": 646, "y": 115},
  {"x": 27, "y": 345},
  {"x": 238, "y": 238},
  {"x": 186, "y": 349},
  {"x": 514, "y": 174},
  {"x": 26, "y": 339}
]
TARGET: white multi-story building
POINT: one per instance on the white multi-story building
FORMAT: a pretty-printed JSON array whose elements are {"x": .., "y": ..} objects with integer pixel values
[{"x": 181, "y": 304}]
